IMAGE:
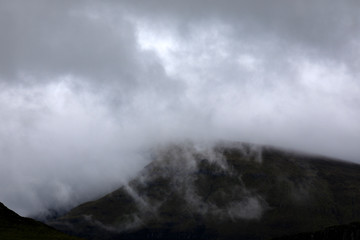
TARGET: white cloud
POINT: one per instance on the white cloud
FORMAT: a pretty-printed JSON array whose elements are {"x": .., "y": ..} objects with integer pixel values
[{"x": 87, "y": 87}]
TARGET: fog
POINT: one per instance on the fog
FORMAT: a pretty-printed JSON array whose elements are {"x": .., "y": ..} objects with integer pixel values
[{"x": 87, "y": 88}]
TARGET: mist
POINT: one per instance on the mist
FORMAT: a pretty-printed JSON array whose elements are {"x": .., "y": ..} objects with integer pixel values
[{"x": 88, "y": 88}]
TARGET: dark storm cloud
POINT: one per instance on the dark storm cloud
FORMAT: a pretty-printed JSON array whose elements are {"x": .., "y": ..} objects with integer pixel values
[
  {"x": 63, "y": 38},
  {"x": 87, "y": 86},
  {"x": 43, "y": 41}
]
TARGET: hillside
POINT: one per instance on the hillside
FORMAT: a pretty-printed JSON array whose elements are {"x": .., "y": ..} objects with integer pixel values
[
  {"x": 14, "y": 227},
  {"x": 231, "y": 191}
]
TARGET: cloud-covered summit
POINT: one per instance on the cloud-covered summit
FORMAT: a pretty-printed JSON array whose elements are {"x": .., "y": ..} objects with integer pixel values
[{"x": 87, "y": 87}]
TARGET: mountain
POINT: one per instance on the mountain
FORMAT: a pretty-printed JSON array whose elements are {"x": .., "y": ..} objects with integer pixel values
[
  {"x": 230, "y": 191},
  {"x": 14, "y": 227}
]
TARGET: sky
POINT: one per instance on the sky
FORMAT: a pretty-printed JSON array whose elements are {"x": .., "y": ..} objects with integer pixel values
[{"x": 88, "y": 87}]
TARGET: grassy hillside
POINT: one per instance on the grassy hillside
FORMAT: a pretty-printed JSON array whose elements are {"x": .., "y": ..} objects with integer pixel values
[
  {"x": 14, "y": 227},
  {"x": 229, "y": 192}
]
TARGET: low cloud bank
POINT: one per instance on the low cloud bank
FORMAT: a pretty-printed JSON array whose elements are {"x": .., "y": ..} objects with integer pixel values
[{"x": 87, "y": 88}]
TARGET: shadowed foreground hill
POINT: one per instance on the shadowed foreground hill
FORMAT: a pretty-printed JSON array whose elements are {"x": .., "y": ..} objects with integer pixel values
[
  {"x": 231, "y": 191},
  {"x": 14, "y": 227}
]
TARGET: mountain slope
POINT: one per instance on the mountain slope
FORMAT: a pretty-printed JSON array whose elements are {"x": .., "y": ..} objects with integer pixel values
[
  {"x": 13, "y": 227},
  {"x": 230, "y": 191}
]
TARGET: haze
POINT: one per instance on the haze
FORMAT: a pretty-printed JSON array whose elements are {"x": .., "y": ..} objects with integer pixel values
[{"x": 88, "y": 87}]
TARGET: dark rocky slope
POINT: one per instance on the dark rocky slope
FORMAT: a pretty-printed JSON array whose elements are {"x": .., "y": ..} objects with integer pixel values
[{"x": 231, "y": 191}]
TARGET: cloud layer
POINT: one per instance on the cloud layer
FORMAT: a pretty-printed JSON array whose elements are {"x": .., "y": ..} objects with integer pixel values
[{"x": 87, "y": 87}]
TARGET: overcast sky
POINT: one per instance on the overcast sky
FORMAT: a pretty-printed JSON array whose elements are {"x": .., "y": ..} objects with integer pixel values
[{"x": 87, "y": 87}]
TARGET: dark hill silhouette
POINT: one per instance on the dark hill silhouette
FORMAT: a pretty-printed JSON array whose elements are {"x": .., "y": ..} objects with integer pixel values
[{"x": 15, "y": 227}]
